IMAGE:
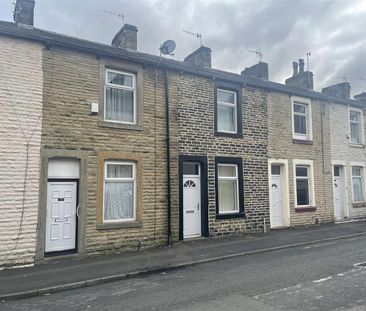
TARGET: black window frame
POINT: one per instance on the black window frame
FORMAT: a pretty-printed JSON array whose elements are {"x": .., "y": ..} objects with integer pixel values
[
  {"x": 239, "y": 103},
  {"x": 239, "y": 163}
]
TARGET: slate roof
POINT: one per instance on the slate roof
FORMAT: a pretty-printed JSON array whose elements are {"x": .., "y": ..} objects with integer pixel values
[{"x": 56, "y": 39}]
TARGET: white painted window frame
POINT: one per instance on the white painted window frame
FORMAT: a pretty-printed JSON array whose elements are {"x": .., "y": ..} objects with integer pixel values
[
  {"x": 310, "y": 164},
  {"x": 111, "y": 85},
  {"x": 125, "y": 179},
  {"x": 231, "y": 105},
  {"x": 362, "y": 165},
  {"x": 309, "y": 127},
  {"x": 236, "y": 178},
  {"x": 360, "y": 125}
]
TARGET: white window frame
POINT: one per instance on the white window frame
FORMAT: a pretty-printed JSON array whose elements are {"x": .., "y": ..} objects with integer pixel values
[
  {"x": 133, "y": 88},
  {"x": 309, "y": 163},
  {"x": 235, "y": 105},
  {"x": 362, "y": 166},
  {"x": 125, "y": 179},
  {"x": 360, "y": 124},
  {"x": 305, "y": 102},
  {"x": 237, "y": 187}
]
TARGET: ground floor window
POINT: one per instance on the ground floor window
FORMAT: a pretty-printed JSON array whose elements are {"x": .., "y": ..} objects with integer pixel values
[
  {"x": 358, "y": 183},
  {"x": 229, "y": 186},
  {"x": 304, "y": 194},
  {"x": 119, "y": 191}
]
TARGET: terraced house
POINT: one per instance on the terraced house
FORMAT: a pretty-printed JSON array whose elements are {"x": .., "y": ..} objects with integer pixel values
[{"x": 131, "y": 150}]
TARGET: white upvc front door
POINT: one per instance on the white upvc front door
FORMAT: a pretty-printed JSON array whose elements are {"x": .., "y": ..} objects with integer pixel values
[
  {"x": 61, "y": 216},
  {"x": 191, "y": 206},
  {"x": 338, "y": 192},
  {"x": 277, "y": 219}
]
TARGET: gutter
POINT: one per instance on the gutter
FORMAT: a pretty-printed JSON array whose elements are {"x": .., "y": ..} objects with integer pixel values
[{"x": 167, "y": 127}]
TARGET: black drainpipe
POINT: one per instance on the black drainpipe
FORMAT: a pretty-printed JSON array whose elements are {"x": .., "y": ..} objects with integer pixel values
[{"x": 168, "y": 155}]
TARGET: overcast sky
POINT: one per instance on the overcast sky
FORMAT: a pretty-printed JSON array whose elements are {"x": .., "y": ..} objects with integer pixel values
[{"x": 334, "y": 31}]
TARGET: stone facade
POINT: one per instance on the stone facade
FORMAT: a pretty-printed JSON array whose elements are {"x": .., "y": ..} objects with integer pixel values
[
  {"x": 21, "y": 119},
  {"x": 192, "y": 100},
  {"x": 70, "y": 130},
  {"x": 282, "y": 146},
  {"x": 345, "y": 154}
]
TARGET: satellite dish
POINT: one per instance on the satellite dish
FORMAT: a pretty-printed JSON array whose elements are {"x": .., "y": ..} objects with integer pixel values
[{"x": 167, "y": 47}]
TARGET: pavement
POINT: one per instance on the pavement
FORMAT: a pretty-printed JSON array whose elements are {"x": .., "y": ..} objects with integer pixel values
[{"x": 70, "y": 273}]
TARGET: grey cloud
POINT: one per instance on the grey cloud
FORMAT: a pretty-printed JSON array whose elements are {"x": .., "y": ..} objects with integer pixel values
[{"x": 333, "y": 30}]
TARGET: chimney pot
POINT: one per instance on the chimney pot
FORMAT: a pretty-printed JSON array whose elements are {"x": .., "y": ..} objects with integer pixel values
[
  {"x": 24, "y": 12},
  {"x": 126, "y": 38},
  {"x": 301, "y": 65},
  {"x": 295, "y": 67}
]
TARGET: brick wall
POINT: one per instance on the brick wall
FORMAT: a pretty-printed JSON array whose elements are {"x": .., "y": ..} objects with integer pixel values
[
  {"x": 20, "y": 114},
  {"x": 281, "y": 146},
  {"x": 342, "y": 150},
  {"x": 192, "y": 102}
]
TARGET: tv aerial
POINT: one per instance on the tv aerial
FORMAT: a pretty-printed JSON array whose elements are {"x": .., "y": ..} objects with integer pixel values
[
  {"x": 167, "y": 48},
  {"x": 258, "y": 52},
  {"x": 116, "y": 14},
  {"x": 198, "y": 35}
]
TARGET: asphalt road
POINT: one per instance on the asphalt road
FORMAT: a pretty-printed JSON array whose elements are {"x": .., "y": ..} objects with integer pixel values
[{"x": 315, "y": 277}]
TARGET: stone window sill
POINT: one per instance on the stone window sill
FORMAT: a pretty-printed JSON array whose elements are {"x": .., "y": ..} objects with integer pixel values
[
  {"x": 302, "y": 142},
  {"x": 356, "y": 145},
  {"x": 230, "y": 216},
  {"x": 119, "y": 225},
  {"x": 358, "y": 204},
  {"x": 120, "y": 125},
  {"x": 305, "y": 209}
]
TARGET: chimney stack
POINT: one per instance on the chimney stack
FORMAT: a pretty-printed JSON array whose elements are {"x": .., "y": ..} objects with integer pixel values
[
  {"x": 342, "y": 90},
  {"x": 24, "y": 12},
  {"x": 126, "y": 38},
  {"x": 302, "y": 79},
  {"x": 361, "y": 98},
  {"x": 200, "y": 57},
  {"x": 259, "y": 70}
]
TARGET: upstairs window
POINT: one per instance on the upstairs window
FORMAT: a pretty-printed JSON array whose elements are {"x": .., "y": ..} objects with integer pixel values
[
  {"x": 227, "y": 111},
  {"x": 301, "y": 119},
  {"x": 358, "y": 184},
  {"x": 120, "y": 97},
  {"x": 355, "y": 127}
]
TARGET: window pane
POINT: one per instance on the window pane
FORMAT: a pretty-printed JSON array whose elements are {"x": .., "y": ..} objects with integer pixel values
[
  {"x": 119, "y": 79},
  {"x": 119, "y": 171},
  {"x": 302, "y": 191},
  {"x": 228, "y": 196},
  {"x": 357, "y": 189},
  {"x": 119, "y": 105},
  {"x": 337, "y": 171},
  {"x": 227, "y": 170},
  {"x": 356, "y": 171},
  {"x": 119, "y": 200},
  {"x": 354, "y": 116},
  {"x": 299, "y": 108},
  {"x": 226, "y": 118},
  {"x": 300, "y": 124},
  {"x": 276, "y": 170},
  {"x": 190, "y": 168},
  {"x": 301, "y": 171},
  {"x": 225, "y": 96},
  {"x": 355, "y": 133}
]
